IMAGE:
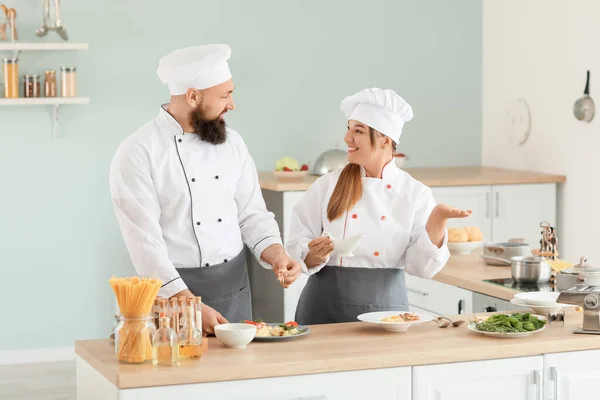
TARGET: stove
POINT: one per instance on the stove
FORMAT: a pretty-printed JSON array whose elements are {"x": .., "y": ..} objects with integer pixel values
[{"x": 522, "y": 287}]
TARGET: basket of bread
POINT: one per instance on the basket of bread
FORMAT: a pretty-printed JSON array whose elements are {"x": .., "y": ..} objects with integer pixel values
[{"x": 464, "y": 240}]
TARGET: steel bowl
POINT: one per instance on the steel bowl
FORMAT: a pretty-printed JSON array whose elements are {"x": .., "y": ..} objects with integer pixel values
[
  {"x": 330, "y": 161},
  {"x": 530, "y": 269}
]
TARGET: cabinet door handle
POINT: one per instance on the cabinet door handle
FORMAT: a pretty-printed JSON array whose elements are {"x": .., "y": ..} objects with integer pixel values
[
  {"x": 487, "y": 205},
  {"x": 538, "y": 384},
  {"x": 420, "y": 293},
  {"x": 461, "y": 306},
  {"x": 554, "y": 378},
  {"x": 497, "y": 204}
]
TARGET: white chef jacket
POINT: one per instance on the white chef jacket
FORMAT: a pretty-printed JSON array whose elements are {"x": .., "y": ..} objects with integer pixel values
[
  {"x": 391, "y": 214},
  {"x": 182, "y": 202}
]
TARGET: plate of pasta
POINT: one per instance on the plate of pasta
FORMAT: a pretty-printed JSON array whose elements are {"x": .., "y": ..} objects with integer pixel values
[
  {"x": 394, "y": 321},
  {"x": 277, "y": 331}
]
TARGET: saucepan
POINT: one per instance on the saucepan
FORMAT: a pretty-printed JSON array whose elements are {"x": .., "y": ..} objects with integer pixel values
[
  {"x": 527, "y": 269},
  {"x": 504, "y": 250}
]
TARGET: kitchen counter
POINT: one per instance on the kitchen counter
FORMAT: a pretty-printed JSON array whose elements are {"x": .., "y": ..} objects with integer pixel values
[
  {"x": 335, "y": 348},
  {"x": 432, "y": 177},
  {"x": 469, "y": 271}
]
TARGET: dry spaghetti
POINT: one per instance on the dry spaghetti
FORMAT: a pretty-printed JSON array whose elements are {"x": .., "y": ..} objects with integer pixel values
[{"x": 135, "y": 297}]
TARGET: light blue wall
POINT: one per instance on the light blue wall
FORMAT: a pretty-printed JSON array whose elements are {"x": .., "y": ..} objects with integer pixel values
[{"x": 293, "y": 61}]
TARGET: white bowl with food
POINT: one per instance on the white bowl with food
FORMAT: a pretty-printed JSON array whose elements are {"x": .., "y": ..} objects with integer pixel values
[
  {"x": 235, "y": 335},
  {"x": 394, "y": 321},
  {"x": 464, "y": 240},
  {"x": 463, "y": 248}
]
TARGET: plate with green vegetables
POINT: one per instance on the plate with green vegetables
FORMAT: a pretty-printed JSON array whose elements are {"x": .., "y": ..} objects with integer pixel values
[{"x": 509, "y": 325}]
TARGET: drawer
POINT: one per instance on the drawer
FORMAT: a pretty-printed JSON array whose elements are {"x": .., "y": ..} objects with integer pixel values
[
  {"x": 437, "y": 297},
  {"x": 386, "y": 384}
]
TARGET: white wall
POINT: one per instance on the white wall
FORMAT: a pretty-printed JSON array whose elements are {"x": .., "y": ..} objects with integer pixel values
[{"x": 540, "y": 50}]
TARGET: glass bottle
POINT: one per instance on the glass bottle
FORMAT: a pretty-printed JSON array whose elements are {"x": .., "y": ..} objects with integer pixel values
[
  {"x": 198, "y": 312},
  {"x": 10, "y": 68},
  {"x": 181, "y": 311},
  {"x": 165, "y": 348},
  {"x": 133, "y": 339},
  {"x": 31, "y": 86},
  {"x": 174, "y": 312},
  {"x": 50, "y": 84},
  {"x": 190, "y": 338},
  {"x": 156, "y": 312}
]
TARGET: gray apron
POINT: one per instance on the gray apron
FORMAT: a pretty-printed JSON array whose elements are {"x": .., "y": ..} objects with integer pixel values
[
  {"x": 224, "y": 287},
  {"x": 340, "y": 294}
]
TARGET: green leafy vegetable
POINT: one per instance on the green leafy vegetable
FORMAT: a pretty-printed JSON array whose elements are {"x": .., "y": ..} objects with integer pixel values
[{"x": 510, "y": 323}]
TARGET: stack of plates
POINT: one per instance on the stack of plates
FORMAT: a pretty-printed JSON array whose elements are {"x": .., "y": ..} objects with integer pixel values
[{"x": 540, "y": 302}]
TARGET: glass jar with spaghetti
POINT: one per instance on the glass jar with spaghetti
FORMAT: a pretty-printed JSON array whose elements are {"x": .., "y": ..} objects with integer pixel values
[
  {"x": 10, "y": 71},
  {"x": 133, "y": 338}
]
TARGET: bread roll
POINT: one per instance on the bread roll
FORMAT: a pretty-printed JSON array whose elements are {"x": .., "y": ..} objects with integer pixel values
[
  {"x": 475, "y": 234},
  {"x": 457, "y": 235}
]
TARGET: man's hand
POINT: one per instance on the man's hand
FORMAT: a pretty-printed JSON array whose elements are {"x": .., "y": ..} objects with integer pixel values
[
  {"x": 210, "y": 318},
  {"x": 318, "y": 251},
  {"x": 286, "y": 269}
]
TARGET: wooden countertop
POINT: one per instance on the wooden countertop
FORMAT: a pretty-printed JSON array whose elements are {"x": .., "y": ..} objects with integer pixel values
[
  {"x": 469, "y": 272},
  {"x": 336, "y": 348},
  {"x": 432, "y": 177}
]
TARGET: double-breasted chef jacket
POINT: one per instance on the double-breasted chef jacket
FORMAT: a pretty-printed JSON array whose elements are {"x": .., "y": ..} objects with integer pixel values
[
  {"x": 183, "y": 203},
  {"x": 392, "y": 215}
]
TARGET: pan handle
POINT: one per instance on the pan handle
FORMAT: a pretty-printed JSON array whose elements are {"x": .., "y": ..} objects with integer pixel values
[
  {"x": 499, "y": 259},
  {"x": 587, "y": 84}
]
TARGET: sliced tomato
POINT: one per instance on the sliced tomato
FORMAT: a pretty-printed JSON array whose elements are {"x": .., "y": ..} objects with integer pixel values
[{"x": 291, "y": 323}]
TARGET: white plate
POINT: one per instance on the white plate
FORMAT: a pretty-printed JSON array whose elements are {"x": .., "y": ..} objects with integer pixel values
[
  {"x": 305, "y": 330},
  {"x": 538, "y": 298},
  {"x": 541, "y": 309},
  {"x": 471, "y": 327},
  {"x": 375, "y": 318},
  {"x": 464, "y": 247},
  {"x": 290, "y": 174}
]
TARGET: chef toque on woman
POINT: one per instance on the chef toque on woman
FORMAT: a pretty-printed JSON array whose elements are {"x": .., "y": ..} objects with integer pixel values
[{"x": 399, "y": 226}]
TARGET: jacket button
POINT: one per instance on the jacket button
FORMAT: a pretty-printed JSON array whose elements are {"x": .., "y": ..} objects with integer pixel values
[
  {"x": 217, "y": 177},
  {"x": 198, "y": 223},
  {"x": 220, "y": 220},
  {"x": 376, "y": 254},
  {"x": 389, "y": 186},
  {"x": 383, "y": 218},
  {"x": 354, "y": 216},
  {"x": 225, "y": 260},
  {"x": 179, "y": 140},
  {"x": 193, "y": 179},
  {"x": 207, "y": 264}
]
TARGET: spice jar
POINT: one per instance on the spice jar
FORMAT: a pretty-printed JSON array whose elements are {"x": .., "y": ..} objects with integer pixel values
[
  {"x": 50, "y": 84},
  {"x": 31, "y": 86},
  {"x": 10, "y": 69},
  {"x": 69, "y": 81}
]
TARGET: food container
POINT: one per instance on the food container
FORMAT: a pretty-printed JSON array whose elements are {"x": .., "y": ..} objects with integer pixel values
[
  {"x": 10, "y": 69},
  {"x": 133, "y": 339},
  {"x": 31, "y": 86},
  {"x": 68, "y": 81},
  {"x": 50, "y": 84}
]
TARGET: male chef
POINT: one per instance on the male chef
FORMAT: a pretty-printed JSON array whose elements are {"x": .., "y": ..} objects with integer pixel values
[{"x": 186, "y": 193}]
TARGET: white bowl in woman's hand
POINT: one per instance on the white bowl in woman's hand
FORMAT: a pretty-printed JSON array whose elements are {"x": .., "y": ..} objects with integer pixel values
[{"x": 345, "y": 247}]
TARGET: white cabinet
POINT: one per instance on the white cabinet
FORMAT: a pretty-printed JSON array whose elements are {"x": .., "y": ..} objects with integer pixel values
[
  {"x": 385, "y": 384},
  {"x": 503, "y": 211},
  {"x": 572, "y": 376},
  {"x": 512, "y": 378},
  {"x": 476, "y": 198},
  {"x": 437, "y": 298}
]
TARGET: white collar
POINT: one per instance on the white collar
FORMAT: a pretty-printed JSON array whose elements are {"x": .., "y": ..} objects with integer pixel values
[
  {"x": 389, "y": 171},
  {"x": 169, "y": 122}
]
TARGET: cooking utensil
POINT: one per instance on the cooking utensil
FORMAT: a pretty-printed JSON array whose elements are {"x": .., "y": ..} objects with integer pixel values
[
  {"x": 330, "y": 161},
  {"x": 43, "y": 30},
  {"x": 58, "y": 26},
  {"x": 526, "y": 269},
  {"x": 450, "y": 322},
  {"x": 584, "y": 108},
  {"x": 506, "y": 249}
]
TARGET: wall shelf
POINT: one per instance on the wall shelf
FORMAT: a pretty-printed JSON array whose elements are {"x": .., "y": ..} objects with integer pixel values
[
  {"x": 32, "y": 46},
  {"x": 55, "y": 102}
]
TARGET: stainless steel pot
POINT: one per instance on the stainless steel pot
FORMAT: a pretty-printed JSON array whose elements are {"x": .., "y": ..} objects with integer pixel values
[
  {"x": 527, "y": 269},
  {"x": 330, "y": 161},
  {"x": 565, "y": 279}
]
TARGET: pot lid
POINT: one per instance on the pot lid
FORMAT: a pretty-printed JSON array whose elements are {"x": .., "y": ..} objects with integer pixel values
[{"x": 579, "y": 270}]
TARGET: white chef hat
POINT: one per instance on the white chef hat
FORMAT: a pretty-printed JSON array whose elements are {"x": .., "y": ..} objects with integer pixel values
[
  {"x": 382, "y": 110},
  {"x": 198, "y": 67}
]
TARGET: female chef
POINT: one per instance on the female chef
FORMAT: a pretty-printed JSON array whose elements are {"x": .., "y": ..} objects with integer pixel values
[{"x": 402, "y": 227}]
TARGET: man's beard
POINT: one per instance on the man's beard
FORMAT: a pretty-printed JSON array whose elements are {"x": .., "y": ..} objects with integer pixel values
[{"x": 210, "y": 130}]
